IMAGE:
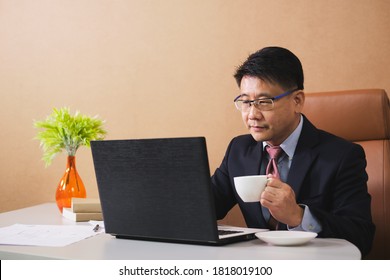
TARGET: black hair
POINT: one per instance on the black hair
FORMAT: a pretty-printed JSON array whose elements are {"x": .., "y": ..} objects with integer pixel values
[{"x": 274, "y": 65}]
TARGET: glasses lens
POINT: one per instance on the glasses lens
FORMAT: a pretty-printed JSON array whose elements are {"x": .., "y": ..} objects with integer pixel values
[
  {"x": 263, "y": 104},
  {"x": 238, "y": 104},
  {"x": 242, "y": 105}
]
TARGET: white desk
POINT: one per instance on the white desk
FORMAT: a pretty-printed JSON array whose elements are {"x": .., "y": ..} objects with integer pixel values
[{"x": 104, "y": 246}]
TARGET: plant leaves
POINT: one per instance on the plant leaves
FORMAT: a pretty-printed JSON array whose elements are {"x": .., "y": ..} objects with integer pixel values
[{"x": 62, "y": 131}]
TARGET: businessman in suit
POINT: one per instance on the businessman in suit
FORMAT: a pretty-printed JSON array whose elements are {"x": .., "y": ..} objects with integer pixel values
[{"x": 320, "y": 184}]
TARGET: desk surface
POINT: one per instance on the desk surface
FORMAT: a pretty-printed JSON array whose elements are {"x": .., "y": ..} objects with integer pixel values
[{"x": 104, "y": 246}]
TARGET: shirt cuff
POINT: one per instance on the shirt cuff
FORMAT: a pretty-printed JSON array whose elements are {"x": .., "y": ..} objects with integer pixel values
[{"x": 309, "y": 222}]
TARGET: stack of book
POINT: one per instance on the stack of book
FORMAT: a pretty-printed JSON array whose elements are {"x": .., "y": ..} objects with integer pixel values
[{"x": 83, "y": 209}]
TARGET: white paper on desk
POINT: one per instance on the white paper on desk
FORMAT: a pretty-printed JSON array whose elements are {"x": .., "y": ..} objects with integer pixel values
[{"x": 44, "y": 235}]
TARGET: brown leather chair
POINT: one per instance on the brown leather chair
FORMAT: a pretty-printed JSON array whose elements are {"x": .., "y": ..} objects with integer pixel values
[{"x": 361, "y": 116}]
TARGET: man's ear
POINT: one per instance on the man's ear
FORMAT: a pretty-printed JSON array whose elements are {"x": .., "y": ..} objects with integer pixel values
[{"x": 299, "y": 100}]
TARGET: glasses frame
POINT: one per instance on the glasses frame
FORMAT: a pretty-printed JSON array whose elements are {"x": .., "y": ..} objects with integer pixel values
[{"x": 250, "y": 102}]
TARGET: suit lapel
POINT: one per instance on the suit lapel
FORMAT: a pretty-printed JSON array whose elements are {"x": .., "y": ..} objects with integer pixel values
[
  {"x": 253, "y": 158},
  {"x": 303, "y": 156}
]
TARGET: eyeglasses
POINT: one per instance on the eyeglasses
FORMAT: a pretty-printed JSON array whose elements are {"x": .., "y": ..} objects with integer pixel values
[{"x": 261, "y": 104}]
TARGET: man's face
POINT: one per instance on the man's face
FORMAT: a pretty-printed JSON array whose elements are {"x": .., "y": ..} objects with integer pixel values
[{"x": 276, "y": 125}]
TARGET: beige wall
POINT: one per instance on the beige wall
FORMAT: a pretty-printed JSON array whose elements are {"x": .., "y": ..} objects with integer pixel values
[{"x": 162, "y": 68}]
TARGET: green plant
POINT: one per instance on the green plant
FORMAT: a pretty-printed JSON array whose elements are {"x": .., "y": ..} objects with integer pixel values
[{"x": 61, "y": 131}]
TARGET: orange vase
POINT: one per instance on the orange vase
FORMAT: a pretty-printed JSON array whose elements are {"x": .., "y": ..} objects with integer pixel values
[{"x": 70, "y": 185}]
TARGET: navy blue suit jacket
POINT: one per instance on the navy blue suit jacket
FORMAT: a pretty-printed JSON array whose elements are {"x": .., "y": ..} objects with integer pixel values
[{"x": 327, "y": 174}]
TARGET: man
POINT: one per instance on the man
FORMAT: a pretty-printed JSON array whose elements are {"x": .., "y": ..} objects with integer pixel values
[{"x": 320, "y": 183}]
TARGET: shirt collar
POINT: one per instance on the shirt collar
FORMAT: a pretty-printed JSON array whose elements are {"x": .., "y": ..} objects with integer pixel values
[{"x": 291, "y": 142}]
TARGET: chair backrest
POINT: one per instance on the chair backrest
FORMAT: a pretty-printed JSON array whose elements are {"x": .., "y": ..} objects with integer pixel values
[{"x": 362, "y": 116}]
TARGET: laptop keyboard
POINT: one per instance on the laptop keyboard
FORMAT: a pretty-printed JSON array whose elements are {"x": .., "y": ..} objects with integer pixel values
[{"x": 225, "y": 232}]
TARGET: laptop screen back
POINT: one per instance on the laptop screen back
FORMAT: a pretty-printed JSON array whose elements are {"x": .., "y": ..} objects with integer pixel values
[{"x": 155, "y": 189}]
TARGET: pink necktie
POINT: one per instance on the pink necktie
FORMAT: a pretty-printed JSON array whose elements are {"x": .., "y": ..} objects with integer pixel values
[
  {"x": 274, "y": 153},
  {"x": 272, "y": 168}
]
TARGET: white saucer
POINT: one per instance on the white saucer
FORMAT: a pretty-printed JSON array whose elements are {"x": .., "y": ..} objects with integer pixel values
[{"x": 286, "y": 238}]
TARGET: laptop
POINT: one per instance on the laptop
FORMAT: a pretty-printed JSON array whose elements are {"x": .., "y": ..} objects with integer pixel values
[{"x": 159, "y": 189}]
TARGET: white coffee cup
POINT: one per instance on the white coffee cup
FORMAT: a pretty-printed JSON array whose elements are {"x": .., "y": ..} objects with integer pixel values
[{"x": 249, "y": 188}]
